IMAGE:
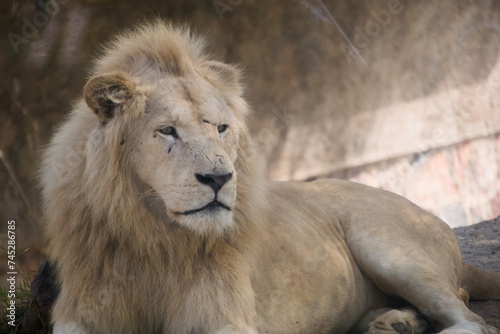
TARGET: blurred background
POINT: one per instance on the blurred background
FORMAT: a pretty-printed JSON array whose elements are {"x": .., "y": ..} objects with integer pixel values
[{"x": 398, "y": 94}]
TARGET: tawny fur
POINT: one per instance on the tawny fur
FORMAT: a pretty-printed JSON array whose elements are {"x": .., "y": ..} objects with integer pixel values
[
  {"x": 111, "y": 251},
  {"x": 287, "y": 258}
]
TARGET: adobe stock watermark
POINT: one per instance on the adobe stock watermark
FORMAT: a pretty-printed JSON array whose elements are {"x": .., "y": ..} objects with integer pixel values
[
  {"x": 223, "y": 6},
  {"x": 40, "y": 19},
  {"x": 11, "y": 273},
  {"x": 378, "y": 20}
]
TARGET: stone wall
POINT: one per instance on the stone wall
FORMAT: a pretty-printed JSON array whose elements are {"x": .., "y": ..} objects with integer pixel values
[{"x": 459, "y": 183}]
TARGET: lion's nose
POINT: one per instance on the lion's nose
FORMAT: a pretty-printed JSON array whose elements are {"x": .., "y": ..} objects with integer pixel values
[{"x": 214, "y": 181}]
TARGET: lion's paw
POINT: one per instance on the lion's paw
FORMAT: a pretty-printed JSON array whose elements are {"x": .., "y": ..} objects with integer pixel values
[{"x": 404, "y": 321}]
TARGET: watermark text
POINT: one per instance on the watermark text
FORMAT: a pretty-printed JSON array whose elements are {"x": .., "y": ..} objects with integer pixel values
[{"x": 12, "y": 273}]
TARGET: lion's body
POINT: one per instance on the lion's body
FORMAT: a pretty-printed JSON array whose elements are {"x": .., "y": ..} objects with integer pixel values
[
  {"x": 319, "y": 247},
  {"x": 159, "y": 219}
]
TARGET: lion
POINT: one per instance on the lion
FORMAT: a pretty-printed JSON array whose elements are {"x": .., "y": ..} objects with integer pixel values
[{"x": 159, "y": 217}]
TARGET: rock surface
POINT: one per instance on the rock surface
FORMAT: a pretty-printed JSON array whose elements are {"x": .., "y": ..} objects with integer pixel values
[{"x": 480, "y": 246}]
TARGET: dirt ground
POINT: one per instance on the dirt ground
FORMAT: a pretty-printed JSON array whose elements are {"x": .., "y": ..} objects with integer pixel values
[{"x": 480, "y": 246}]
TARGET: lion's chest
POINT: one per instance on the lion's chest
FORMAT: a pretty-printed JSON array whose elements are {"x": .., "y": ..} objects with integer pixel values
[{"x": 204, "y": 298}]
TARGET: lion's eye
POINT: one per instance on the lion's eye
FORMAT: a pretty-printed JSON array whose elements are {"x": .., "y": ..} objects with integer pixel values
[
  {"x": 221, "y": 128},
  {"x": 169, "y": 131}
]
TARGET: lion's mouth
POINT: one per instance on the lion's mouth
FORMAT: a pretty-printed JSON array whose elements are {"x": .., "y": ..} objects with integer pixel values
[{"x": 211, "y": 207}]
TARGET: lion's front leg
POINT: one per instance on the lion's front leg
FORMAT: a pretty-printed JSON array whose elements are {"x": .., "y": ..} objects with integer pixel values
[{"x": 65, "y": 317}]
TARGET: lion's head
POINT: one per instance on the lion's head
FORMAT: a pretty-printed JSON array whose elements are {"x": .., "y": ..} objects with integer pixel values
[
  {"x": 178, "y": 118},
  {"x": 168, "y": 124}
]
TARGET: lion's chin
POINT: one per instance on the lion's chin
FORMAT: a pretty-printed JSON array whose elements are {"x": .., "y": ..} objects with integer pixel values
[{"x": 212, "y": 221}]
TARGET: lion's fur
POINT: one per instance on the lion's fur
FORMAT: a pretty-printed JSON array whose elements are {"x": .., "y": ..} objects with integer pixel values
[
  {"x": 92, "y": 208},
  {"x": 295, "y": 257}
]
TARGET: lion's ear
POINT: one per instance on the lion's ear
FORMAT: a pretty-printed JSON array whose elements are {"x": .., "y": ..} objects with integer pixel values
[
  {"x": 228, "y": 75},
  {"x": 104, "y": 93}
]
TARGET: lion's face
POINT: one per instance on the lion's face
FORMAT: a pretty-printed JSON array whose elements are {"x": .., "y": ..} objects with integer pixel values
[{"x": 183, "y": 147}]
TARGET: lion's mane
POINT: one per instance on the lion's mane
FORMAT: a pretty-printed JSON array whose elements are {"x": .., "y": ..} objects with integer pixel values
[{"x": 104, "y": 230}]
